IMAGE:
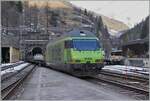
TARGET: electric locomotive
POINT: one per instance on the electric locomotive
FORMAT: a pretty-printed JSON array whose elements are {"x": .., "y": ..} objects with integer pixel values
[{"x": 78, "y": 52}]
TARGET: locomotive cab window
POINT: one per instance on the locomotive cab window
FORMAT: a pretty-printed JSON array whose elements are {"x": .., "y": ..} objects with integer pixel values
[
  {"x": 68, "y": 44},
  {"x": 86, "y": 44}
]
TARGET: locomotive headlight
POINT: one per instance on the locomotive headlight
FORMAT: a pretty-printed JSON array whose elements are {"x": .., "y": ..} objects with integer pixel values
[{"x": 103, "y": 53}]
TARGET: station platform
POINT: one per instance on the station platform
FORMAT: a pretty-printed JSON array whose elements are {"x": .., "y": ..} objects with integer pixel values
[{"x": 47, "y": 84}]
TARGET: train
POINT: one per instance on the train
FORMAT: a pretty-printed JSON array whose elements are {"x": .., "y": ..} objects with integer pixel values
[
  {"x": 115, "y": 58},
  {"x": 37, "y": 59},
  {"x": 79, "y": 52}
]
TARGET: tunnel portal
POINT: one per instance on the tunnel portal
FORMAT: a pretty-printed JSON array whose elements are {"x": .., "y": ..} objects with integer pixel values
[{"x": 36, "y": 50}]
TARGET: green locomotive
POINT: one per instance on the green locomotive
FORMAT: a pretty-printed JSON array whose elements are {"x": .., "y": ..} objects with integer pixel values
[{"x": 77, "y": 52}]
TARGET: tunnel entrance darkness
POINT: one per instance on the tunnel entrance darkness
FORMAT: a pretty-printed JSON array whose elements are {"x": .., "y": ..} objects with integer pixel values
[
  {"x": 5, "y": 55},
  {"x": 36, "y": 50}
]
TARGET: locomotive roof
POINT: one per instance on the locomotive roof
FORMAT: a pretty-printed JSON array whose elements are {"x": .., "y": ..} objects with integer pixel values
[
  {"x": 80, "y": 33},
  {"x": 75, "y": 33}
]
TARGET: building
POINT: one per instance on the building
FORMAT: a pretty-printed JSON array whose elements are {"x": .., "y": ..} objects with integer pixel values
[
  {"x": 10, "y": 49},
  {"x": 136, "y": 48}
]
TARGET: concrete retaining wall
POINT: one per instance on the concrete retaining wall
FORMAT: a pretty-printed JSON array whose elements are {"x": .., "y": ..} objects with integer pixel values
[{"x": 14, "y": 54}]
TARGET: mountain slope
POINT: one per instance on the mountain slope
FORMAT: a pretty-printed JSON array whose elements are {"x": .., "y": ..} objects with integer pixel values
[
  {"x": 50, "y": 4},
  {"x": 114, "y": 26},
  {"x": 139, "y": 31}
]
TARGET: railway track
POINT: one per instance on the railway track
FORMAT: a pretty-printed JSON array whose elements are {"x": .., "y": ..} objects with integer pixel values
[
  {"x": 11, "y": 74},
  {"x": 9, "y": 86},
  {"x": 133, "y": 83},
  {"x": 127, "y": 76}
]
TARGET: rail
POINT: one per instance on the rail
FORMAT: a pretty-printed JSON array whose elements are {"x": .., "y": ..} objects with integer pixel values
[
  {"x": 8, "y": 91},
  {"x": 142, "y": 78},
  {"x": 123, "y": 85},
  {"x": 130, "y": 82},
  {"x": 9, "y": 75}
]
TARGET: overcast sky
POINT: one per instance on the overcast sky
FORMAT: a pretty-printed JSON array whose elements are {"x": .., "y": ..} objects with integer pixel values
[{"x": 129, "y": 12}]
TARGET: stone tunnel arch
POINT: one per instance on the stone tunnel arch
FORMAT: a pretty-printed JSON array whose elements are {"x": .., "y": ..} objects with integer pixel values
[{"x": 33, "y": 51}]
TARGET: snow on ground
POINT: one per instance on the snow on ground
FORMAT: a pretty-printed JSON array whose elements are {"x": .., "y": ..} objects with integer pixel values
[
  {"x": 7, "y": 64},
  {"x": 127, "y": 69},
  {"x": 20, "y": 66},
  {"x": 113, "y": 32},
  {"x": 15, "y": 69}
]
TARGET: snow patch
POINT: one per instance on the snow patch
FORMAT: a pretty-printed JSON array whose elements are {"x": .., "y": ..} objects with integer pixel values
[
  {"x": 7, "y": 64},
  {"x": 15, "y": 69},
  {"x": 127, "y": 69},
  {"x": 113, "y": 32}
]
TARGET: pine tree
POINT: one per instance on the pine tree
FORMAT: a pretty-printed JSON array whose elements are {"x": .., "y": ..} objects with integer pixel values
[
  {"x": 145, "y": 28},
  {"x": 85, "y": 12},
  {"x": 54, "y": 18}
]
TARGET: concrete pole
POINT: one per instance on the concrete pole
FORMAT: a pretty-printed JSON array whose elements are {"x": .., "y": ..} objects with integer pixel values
[
  {"x": 21, "y": 32},
  {"x": 0, "y": 36},
  {"x": 11, "y": 54}
]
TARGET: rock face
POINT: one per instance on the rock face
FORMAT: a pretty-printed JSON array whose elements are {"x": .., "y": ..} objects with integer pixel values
[
  {"x": 53, "y": 13},
  {"x": 52, "y": 18},
  {"x": 113, "y": 24},
  {"x": 50, "y": 4}
]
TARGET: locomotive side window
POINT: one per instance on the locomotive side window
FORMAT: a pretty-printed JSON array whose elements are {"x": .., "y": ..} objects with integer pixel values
[{"x": 68, "y": 44}]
